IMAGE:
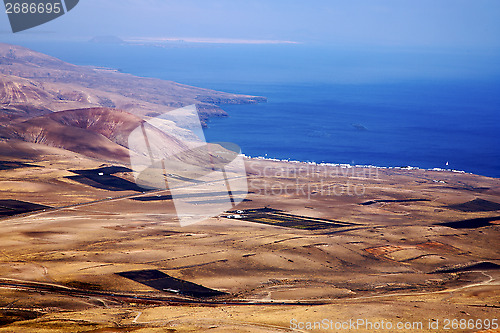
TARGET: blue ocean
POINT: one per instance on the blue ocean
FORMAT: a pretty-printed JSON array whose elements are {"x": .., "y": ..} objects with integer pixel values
[{"x": 372, "y": 106}]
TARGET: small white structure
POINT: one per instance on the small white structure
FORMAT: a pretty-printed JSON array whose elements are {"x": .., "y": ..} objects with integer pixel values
[{"x": 172, "y": 290}]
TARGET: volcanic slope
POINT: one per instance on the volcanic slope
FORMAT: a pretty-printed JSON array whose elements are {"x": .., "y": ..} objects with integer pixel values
[{"x": 95, "y": 132}]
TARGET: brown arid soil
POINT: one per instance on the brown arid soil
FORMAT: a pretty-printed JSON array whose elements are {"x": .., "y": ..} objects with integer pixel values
[
  {"x": 382, "y": 261},
  {"x": 313, "y": 248}
]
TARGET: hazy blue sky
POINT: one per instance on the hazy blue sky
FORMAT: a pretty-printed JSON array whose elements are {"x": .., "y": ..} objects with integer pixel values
[{"x": 447, "y": 23}]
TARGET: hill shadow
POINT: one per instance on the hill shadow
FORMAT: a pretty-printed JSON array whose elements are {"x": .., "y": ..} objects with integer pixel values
[
  {"x": 16, "y": 207},
  {"x": 163, "y": 282},
  {"x": 103, "y": 178},
  {"x": 471, "y": 223},
  {"x": 476, "y": 205}
]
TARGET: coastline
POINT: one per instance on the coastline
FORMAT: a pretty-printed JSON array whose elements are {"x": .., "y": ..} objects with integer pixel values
[
  {"x": 64, "y": 86},
  {"x": 348, "y": 166}
]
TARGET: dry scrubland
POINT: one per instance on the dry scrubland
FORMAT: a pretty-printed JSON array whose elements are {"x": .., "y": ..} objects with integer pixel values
[
  {"x": 83, "y": 249},
  {"x": 387, "y": 260}
]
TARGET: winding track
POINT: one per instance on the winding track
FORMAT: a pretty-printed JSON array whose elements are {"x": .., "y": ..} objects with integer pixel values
[{"x": 94, "y": 202}]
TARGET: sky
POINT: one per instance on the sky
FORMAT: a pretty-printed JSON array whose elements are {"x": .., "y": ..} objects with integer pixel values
[{"x": 469, "y": 24}]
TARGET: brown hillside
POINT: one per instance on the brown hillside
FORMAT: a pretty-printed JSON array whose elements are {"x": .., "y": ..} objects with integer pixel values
[{"x": 94, "y": 132}]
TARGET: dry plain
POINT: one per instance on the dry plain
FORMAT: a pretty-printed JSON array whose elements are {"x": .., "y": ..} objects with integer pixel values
[
  {"x": 385, "y": 257},
  {"x": 83, "y": 249}
]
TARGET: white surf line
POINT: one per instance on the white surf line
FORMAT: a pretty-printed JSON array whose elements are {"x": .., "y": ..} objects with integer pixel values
[{"x": 349, "y": 166}]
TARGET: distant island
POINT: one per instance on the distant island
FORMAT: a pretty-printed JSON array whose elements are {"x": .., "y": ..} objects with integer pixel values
[{"x": 107, "y": 40}]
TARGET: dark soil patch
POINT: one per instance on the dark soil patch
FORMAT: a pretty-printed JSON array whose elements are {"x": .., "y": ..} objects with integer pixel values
[
  {"x": 41, "y": 234},
  {"x": 471, "y": 223},
  {"x": 163, "y": 282},
  {"x": 467, "y": 188},
  {"x": 186, "y": 195},
  {"x": 8, "y": 316},
  {"x": 7, "y": 165},
  {"x": 16, "y": 207},
  {"x": 279, "y": 218},
  {"x": 476, "y": 205},
  {"x": 371, "y": 202},
  {"x": 478, "y": 266},
  {"x": 83, "y": 285},
  {"x": 103, "y": 178}
]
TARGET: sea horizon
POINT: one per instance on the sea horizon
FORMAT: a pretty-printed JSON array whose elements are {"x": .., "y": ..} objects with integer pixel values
[{"x": 402, "y": 108}]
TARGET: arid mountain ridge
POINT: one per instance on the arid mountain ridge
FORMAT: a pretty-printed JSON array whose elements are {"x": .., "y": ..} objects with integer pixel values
[
  {"x": 52, "y": 83},
  {"x": 44, "y": 100}
]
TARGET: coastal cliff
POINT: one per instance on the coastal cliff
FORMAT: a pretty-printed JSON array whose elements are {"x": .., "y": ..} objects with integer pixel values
[{"x": 61, "y": 86}]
